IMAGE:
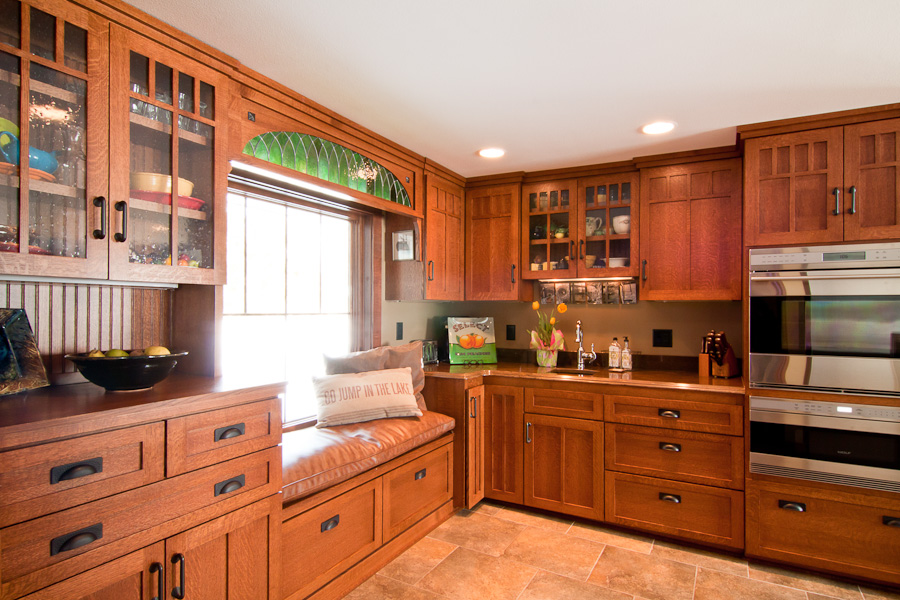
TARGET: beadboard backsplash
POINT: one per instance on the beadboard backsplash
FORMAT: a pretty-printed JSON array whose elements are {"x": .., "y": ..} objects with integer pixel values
[{"x": 69, "y": 318}]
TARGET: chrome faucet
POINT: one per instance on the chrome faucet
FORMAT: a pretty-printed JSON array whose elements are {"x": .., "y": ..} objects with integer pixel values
[{"x": 582, "y": 355}]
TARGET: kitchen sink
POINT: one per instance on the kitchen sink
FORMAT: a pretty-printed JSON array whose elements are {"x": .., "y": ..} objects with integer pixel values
[{"x": 573, "y": 371}]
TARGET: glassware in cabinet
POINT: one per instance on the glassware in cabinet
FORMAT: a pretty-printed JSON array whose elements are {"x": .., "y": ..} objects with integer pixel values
[
  {"x": 550, "y": 228},
  {"x": 52, "y": 106},
  {"x": 608, "y": 243},
  {"x": 174, "y": 148}
]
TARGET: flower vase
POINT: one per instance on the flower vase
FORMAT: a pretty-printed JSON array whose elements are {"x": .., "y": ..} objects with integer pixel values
[{"x": 547, "y": 358}]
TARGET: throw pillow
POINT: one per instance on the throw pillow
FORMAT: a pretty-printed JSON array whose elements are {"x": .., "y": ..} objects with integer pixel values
[
  {"x": 359, "y": 397},
  {"x": 385, "y": 357}
]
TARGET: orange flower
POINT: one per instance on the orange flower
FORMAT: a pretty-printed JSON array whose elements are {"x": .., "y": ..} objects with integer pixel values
[
  {"x": 535, "y": 305},
  {"x": 553, "y": 320},
  {"x": 562, "y": 308}
]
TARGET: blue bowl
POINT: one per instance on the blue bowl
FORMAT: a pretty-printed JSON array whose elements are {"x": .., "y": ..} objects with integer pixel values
[{"x": 37, "y": 159}]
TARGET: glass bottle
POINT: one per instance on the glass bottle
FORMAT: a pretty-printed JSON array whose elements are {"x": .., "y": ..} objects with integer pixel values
[
  {"x": 615, "y": 354},
  {"x": 626, "y": 356}
]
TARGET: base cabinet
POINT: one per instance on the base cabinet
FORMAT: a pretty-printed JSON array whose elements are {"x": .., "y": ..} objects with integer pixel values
[
  {"x": 840, "y": 532},
  {"x": 503, "y": 438}
]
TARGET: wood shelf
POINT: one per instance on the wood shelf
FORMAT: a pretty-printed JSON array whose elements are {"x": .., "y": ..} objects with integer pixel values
[
  {"x": 166, "y": 209},
  {"x": 58, "y": 93},
  {"x": 155, "y": 125},
  {"x": 45, "y": 187}
]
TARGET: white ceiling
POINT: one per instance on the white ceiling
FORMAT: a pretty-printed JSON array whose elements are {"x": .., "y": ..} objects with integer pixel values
[{"x": 562, "y": 83}]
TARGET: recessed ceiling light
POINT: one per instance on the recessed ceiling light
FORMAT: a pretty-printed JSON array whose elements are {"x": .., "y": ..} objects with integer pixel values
[
  {"x": 658, "y": 127},
  {"x": 491, "y": 152}
]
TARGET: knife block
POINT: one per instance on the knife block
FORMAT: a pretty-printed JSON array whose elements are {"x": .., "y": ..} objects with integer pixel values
[
  {"x": 704, "y": 365},
  {"x": 728, "y": 368}
]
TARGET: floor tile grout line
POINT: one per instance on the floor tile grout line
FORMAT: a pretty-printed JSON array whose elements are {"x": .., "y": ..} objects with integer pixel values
[
  {"x": 416, "y": 584},
  {"x": 529, "y": 583},
  {"x": 696, "y": 577}
]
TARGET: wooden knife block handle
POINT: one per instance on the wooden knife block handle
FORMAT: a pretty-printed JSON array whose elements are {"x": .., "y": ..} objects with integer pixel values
[
  {"x": 728, "y": 368},
  {"x": 704, "y": 368}
]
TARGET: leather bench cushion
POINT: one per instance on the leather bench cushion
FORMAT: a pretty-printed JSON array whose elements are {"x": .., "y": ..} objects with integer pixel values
[{"x": 314, "y": 459}]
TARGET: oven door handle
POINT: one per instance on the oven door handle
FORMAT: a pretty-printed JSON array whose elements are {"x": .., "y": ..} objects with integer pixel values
[{"x": 839, "y": 423}]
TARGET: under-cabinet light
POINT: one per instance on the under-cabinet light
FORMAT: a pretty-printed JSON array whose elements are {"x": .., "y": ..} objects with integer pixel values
[{"x": 289, "y": 180}]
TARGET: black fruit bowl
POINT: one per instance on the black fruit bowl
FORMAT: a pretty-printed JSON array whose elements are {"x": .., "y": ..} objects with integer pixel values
[{"x": 125, "y": 373}]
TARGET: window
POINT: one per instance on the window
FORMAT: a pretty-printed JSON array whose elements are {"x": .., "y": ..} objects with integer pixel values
[{"x": 294, "y": 290}]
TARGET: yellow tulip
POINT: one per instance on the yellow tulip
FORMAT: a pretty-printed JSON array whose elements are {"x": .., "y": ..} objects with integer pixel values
[
  {"x": 535, "y": 305},
  {"x": 562, "y": 308},
  {"x": 553, "y": 320}
]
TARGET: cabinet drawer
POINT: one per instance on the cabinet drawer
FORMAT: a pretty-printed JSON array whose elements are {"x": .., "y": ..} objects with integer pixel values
[
  {"x": 207, "y": 438},
  {"x": 43, "y": 479},
  {"x": 686, "y": 510},
  {"x": 45, "y": 550},
  {"x": 417, "y": 488},
  {"x": 321, "y": 543},
  {"x": 688, "y": 415},
  {"x": 581, "y": 405},
  {"x": 832, "y": 531},
  {"x": 704, "y": 458}
]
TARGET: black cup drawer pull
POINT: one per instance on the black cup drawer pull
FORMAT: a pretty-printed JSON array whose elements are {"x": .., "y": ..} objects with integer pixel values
[
  {"x": 673, "y": 498},
  {"x": 420, "y": 474},
  {"x": 230, "y": 485},
  {"x": 330, "y": 523},
  {"x": 670, "y": 447},
  {"x": 794, "y": 506},
  {"x": 76, "y": 539},
  {"x": 74, "y": 470},
  {"x": 228, "y": 432},
  {"x": 890, "y": 521},
  {"x": 668, "y": 413}
]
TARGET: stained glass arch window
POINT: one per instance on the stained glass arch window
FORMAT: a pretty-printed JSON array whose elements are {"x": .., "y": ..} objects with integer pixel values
[{"x": 329, "y": 161}]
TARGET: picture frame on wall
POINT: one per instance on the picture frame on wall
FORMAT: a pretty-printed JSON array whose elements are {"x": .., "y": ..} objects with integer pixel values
[{"x": 403, "y": 245}]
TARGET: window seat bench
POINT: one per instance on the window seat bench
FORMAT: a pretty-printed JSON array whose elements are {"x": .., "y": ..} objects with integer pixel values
[{"x": 356, "y": 496}]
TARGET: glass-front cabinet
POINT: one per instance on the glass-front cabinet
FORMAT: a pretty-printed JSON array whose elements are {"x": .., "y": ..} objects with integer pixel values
[
  {"x": 167, "y": 124},
  {"x": 549, "y": 229},
  {"x": 607, "y": 218},
  {"x": 53, "y": 136}
]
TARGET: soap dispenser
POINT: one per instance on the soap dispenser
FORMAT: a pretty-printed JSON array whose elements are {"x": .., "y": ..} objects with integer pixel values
[
  {"x": 626, "y": 356},
  {"x": 615, "y": 354}
]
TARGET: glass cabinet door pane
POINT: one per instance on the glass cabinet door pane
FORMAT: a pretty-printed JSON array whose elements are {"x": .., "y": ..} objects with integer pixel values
[
  {"x": 140, "y": 74},
  {"x": 10, "y": 22},
  {"x": 75, "y": 47},
  {"x": 9, "y": 171},
  {"x": 57, "y": 164},
  {"x": 150, "y": 206},
  {"x": 43, "y": 34},
  {"x": 163, "y": 83},
  {"x": 185, "y": 92},
  {"x": 207, "y": 101},
  {"x": 195, "y": 217}
]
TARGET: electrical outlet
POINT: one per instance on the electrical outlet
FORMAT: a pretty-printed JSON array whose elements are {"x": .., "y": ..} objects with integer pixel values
[
  {"x": 662, "y": 338},
  {"x": 400, "y": 330},
  {"x": 510, "y": 332}
]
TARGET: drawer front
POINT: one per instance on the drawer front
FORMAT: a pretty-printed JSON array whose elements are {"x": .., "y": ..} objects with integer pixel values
[
  {"x": 704, "y": 458},
  {"x": 207, "y": 438},
  {"x": 686, "y": 415},
  {"x": 45, "y": 550},
  {"x": 685, "y": 510},
  {"x": 321, "y": 543},
  {"x": 417, "y": 488},
  {"x": 581, "y": 405},
  {"x": 808, "y": 528},
  {"x": 43, "y": 479}
]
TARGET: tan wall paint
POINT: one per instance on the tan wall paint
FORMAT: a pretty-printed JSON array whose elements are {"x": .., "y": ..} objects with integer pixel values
[{"x": 687, "y": 320}]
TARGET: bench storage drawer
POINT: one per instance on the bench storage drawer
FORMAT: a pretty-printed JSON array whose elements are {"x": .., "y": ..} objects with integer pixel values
[{"x": 417, "y": 488}]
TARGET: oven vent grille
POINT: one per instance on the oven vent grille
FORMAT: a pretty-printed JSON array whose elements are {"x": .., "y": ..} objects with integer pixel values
[{"x": 861, "y": 482}]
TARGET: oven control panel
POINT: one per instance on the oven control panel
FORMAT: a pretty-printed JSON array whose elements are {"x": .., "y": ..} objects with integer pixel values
[
  {"x": 826, "y": 409},
  {"x": 825, "y": 257}
]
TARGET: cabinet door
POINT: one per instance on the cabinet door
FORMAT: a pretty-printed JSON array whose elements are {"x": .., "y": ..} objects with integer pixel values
[
  {"x": 608, "y": 225},
  {"x": 135, "y": 576},
  {"x": 492, "y": 243},
  {"x": 167, "y": 116},
  {"x": 475, "y": 447},
  {"x": 691, "y": 228},
  {"x": 872, "y": 180},
  {"x": 444, "y": 240},
  {"x": 234, "y": 556},
  {"x": 503, "y": 438},
  {"x": 564, "y": 465},
  {"x": 53, "y": 196},
  {"x": 792, "y": 185},
  {"x": 549, "y": 215}
]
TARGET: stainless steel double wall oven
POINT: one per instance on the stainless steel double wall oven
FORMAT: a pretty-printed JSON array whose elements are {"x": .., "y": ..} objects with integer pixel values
[{"x": 826, "y": 319}]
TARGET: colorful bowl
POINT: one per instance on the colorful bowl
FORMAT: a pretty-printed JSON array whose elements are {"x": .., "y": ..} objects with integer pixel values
[
  {"x": 37, "y": 159},
  {"x": 157, "y": 182},
  {"x": 125, "y": 373}
]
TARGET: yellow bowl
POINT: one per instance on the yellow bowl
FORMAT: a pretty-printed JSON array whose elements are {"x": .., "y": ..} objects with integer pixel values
[
  {"x": 157, "y": 182},
  {"x": 7, "y": 125}
]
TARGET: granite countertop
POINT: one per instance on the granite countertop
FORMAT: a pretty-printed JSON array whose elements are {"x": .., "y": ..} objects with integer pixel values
[{"x": 672, "y": 379}]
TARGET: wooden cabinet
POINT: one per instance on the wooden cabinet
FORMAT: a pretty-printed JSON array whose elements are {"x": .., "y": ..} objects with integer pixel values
[
  {"x": 54, "y": 65},
  {"x": 838, "y": 531},
  {"x": 608, "y": 225},
  {"x": 215, "y": 521},
  {"x": 691, "y": 231},
  {"x": 503, "y": 439},
  {"x": 492, "y": 244},
  {"x": 474, "y": 465},
  {"x": 444, "y": 239},
  {"x": 823, "y": 185},
  {"x": 564, "y": 465},
  {"x": 168, "y": 134},
  {"x": 549, "y": 229}
]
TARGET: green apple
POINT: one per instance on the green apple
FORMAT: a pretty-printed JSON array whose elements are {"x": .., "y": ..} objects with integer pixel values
[
  {"x": 116, "y": 352},
  {"x": 95, "y": 353}
]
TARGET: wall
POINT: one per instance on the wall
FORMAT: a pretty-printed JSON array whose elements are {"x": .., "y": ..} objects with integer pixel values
[{"x": 687, "y": 320}]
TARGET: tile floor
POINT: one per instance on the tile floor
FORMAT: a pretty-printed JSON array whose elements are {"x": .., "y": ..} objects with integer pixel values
[{"x": 500, "y": 553}]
